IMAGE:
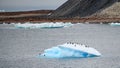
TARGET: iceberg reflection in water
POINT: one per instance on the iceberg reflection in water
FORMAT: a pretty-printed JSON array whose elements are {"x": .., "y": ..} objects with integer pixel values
[
  {"x": 70, "y": 50},
  {"x": 43, "y": 25}
]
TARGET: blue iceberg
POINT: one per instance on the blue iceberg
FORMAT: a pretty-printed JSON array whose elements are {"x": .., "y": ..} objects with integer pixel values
[
  {"x": 43, "y": 25},
  {"x": 70, "y": 50}
]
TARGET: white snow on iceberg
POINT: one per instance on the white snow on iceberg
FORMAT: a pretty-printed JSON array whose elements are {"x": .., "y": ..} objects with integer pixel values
[
  {"x": 43, "y": 25},
  {"x": 70, "y": 50}
]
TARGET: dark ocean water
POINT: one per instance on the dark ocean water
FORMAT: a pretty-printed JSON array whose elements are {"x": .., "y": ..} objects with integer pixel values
[{"x": 19, "y": 48}]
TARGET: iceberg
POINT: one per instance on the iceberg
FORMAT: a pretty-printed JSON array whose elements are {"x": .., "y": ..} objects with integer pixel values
[
  {"x": 43, "y": 25},
  {"x": 70, "y": 50},
  {"x": 115, "y": 24}
]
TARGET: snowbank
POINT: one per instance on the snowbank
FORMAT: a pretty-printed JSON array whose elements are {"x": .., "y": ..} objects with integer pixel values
[
  {"x": 43, "y": 25},
  {"x": 70, "y": 50}
]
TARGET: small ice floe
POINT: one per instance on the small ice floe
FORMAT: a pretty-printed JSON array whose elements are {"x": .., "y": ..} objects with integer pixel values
[
  {"x": 115, "y": 24},
  {"x": 43, "y": 25},
  {"x": 70, "y": 50}
]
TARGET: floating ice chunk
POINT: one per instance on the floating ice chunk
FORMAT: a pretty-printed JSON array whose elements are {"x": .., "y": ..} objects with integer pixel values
[
  {"x": 70, "y": 50},
  {"x": 44, "y": 25},
  {"x": 115, "y": 24}
]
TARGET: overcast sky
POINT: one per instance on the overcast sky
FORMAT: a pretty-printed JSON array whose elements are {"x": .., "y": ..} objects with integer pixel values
[{"x": 20, "y": 5}]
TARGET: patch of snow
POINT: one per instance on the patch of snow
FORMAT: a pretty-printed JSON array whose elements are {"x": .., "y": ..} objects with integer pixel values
[{"x": 49, "y": 13}]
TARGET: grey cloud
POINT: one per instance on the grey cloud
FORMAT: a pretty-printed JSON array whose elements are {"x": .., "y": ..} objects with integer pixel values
[{"x": 29, "y": 4}]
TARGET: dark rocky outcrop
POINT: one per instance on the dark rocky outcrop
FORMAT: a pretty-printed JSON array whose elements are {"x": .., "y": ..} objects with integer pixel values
[
  {"x": 112, "y": 11},
  {"x": 82, "y": 8}
]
